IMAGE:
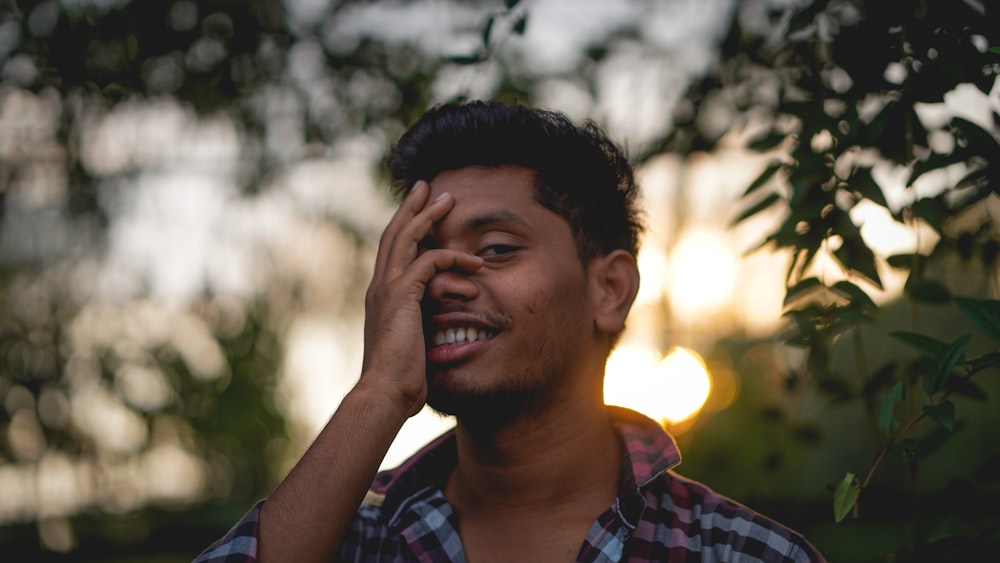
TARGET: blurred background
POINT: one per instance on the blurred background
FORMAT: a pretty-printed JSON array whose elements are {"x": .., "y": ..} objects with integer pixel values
[{"x": 191, "y": 194}]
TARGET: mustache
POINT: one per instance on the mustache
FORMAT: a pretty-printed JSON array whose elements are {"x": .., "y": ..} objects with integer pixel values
[{"x": 487, "y": 317}]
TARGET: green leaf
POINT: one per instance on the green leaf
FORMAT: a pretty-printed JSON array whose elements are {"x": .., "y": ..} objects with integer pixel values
[
  {"x": 766, "y": 175},
  {"x": 927, "y": 291},
  {"x": 985, "y": 361},
  {"x": 467, "y": 59},
  {"x": 488, "y": 32},
  {"x": 934, "y": 381},
  {"x": 935, "y": 161},
  {"x": 761, "y": 206},
  {"x": 845, "y": 496},
  {"x": 995, "y": 50},
  {"x": 861, "y": 181},
  {"x": 855, "y": 254},
  {"x": 803, "y": 287},
  {"x": 926, "y": 345},
  {"x": 966, "y": 388},
  {"x": 907, "y": 261},
  {"x": 887, "y": 405},
  {"x": 521, "y": 24},
  {"x": 984, "y": 314},
  {"x": 971, "y": 189},
  {"x": 943, "y": 413},
  {"x": 979, "y": 140},
  {"x": 930, "y": 210},
  {"x": 904, "y": 449},
  {"x": 855, "y": 294},
  {"x": 878, "y": 381},
  {"x": 845, "y": 318}
]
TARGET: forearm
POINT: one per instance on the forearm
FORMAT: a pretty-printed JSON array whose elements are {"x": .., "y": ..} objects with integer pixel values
[{"x": 306, "y": 517}]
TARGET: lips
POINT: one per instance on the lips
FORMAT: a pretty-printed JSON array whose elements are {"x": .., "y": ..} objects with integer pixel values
[{"x": 454, "y": 337}]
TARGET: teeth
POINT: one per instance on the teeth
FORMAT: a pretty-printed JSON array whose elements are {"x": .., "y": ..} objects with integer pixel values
[{"x": 459, "y": 335}]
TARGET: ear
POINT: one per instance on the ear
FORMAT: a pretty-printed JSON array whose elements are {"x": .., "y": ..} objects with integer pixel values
[{"x": 614, "y": 280}]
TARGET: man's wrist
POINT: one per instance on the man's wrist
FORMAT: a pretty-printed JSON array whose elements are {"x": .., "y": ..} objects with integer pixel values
[{"x": 384, "y": 398}]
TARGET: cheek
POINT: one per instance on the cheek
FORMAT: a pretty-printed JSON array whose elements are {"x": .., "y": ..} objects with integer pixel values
[
  {"x": 556, "y": 307},
  {"x": 541, "y": 301}
]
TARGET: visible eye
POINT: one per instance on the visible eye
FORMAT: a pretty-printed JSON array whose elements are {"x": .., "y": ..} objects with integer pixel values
[{"x": 495, "y": 250}]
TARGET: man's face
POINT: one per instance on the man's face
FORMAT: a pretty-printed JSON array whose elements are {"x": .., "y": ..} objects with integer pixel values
[{"x": 518, "y": 333}]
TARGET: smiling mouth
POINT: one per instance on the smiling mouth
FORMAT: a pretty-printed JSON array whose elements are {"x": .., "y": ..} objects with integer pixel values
[{"x": 460, "y": 335}]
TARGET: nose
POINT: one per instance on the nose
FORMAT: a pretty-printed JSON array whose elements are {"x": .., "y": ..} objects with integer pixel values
[{"x": 452, "y": 285}]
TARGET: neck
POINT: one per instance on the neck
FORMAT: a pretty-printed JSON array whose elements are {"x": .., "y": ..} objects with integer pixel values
[{"x": 556, "y": 456}]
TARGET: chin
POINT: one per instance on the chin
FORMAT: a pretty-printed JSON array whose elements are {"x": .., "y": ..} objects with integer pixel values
[{"x": 485, "y": 409}]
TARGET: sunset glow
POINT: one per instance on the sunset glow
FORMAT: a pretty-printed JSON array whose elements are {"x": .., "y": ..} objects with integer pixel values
[{"x": 670, "y": 390}]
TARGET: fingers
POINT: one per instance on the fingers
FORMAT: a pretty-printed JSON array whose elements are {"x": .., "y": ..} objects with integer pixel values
[
  {"x": 409, "y": 287},
  {"x": 402, "y": 271},
  {"x": 411, "y": 282},
  {"x": 440, "y": 260},
  {"x": 406, "y": 246},
  {"x": 411, "y": 205},
  {"x": 413, "y": 222}
]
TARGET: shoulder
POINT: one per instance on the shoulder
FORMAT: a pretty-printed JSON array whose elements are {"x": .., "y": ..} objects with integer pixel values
[
  {"x": 399, "y": 513},
  {"x": 394, "y": 491},
  {"x": 239, "y": 545},
  {"x": 719, "y": 527}
]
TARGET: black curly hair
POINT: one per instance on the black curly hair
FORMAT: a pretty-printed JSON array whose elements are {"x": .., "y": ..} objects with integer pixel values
[{"x": 581, "y": 174}]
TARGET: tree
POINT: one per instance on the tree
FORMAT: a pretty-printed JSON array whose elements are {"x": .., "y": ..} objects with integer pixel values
[
  {"x": 836, "y": 97},
  {"x": 162, "y": 408},
  {"x": 845, "y": 92},
  {"x": 149, "y": 406}
]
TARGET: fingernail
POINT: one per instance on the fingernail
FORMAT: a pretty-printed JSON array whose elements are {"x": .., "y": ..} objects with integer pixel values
[
  {"x": 420, "y": 185},
  {"x": 441, "y": 197}
]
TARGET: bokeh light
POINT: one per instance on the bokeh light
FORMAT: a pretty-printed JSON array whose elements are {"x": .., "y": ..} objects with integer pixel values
[
  {"x": 190, "y": 206},
  {"x": 702, "y": 273},
  {"x": 671, "y": 389}
]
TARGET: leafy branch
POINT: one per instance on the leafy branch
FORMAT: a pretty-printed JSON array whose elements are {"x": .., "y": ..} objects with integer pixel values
[
  {"x": 942, "y": 411},
  {"x": 985, "y": 315},
  {"x": 837, "y": 116}
]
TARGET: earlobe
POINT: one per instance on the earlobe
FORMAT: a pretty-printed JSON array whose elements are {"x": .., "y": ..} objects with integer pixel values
[{"x": 616, "y": 283}]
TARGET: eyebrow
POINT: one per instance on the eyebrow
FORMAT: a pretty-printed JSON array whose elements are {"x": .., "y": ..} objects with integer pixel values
[{"x": 500, "y": 216}]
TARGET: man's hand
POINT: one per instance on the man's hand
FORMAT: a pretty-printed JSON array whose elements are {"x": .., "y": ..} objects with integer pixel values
[
  {"x": 395, "y": 350},
  {"x": 306, "y": 517}
]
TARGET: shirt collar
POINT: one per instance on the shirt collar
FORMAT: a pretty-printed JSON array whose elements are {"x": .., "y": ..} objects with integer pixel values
[
  {"x": 649, "y": 451},
  {"x": 425, "y": 471}
]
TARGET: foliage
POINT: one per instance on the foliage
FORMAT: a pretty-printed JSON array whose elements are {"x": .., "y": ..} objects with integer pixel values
[
  {"x": 835, "y": 96},
  {"x": 294, "y": 90},
  {"x": 835, "y": 102},
  {"x": 119, "y": 392}
]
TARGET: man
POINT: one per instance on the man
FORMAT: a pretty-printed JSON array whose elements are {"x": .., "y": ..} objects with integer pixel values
[{"x": 500, "y": 287}]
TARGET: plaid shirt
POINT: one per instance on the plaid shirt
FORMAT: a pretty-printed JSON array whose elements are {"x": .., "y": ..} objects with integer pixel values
[{"x": 658, "y": 515}]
